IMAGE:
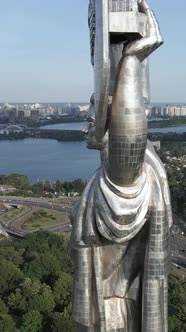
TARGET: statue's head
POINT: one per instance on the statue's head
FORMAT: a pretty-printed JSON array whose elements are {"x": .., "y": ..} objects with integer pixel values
[
  {"x": 90, "y": 136},
  {"x": 89, "y": 130}
]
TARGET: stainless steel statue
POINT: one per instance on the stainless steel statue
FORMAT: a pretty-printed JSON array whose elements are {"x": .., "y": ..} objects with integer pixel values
[{"x": 120, "y": 234}]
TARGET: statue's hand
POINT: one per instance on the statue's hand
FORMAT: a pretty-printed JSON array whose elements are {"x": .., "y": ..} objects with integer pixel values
[{"x": 142, "y": 48}]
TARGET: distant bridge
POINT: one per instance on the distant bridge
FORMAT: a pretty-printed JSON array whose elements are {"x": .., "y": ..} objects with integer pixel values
[{"x": 13, "y": 127}]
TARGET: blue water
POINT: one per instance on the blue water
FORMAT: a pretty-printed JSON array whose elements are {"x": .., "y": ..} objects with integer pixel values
[
  {"x": 44, "y": 159},
  {"x": 80, "y": 125},
  {"x": 66, "y": 126}
]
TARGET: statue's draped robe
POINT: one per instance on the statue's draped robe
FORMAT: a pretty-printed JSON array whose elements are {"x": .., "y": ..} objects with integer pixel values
[{"x": 120, "y": 249}]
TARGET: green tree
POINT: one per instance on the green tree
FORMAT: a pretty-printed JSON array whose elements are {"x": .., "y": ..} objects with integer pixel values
[
  {"x": 62, "y": 321},
  {"x": 177, "y": 305},
  {"x": 44, "y": 267},
  {"x": 37, "y": 289},
  {"x": 78, "y": 185},
  {"x": 10, "y": 254},
  {"x": 19, "y": 181},
  {"x": 10, "y": 277},
  {"x": 2, "y": 178},
  {"x": 67, "y": 186},
  {"x": 37, "y": 189},
  {"x": 63, "y": 291},
  {"x": 7, "y": 323},
  {"x": 3, "y": 307},
  {"x": 17, "y": 302},
  {"x": 57, "y": 186},
  {"x": 32, "y": 322},
  {"x": 32, "y": 295},
  {"x": 173, "y": 181}
]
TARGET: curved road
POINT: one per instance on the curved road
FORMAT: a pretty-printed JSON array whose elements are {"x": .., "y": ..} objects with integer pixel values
[
  {"x": 10, "y": 223},
  {"x": 39, "y": 204},
  {"x": 32, "y": 203}
]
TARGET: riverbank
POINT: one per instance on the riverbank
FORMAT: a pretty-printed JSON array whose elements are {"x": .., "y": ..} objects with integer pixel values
[
  {"x": 78, "y": 136},
  {"x": 163, "y": 123},
  {"x": 59, "y": 135},
  {"x": 167, "y": 137}
]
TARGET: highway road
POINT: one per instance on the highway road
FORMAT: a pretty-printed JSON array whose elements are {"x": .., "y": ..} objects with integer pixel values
[
  {"x": 179, "y": 263},
  {"x": 32, "y": 203},
  {"x": 38, "y": 204},
  {"x": 20, "y": 216},
  {"x": 178, "y": 243}
]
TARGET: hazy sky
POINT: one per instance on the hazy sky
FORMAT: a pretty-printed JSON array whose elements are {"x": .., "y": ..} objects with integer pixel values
[{"x": 45, "y": 51}]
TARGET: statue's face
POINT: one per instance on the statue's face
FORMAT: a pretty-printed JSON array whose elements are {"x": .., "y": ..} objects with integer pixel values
[{"x": 89, "y": 131}]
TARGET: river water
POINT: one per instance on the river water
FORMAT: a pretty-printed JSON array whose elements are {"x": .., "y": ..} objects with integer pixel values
[
  {"x": 80, "y": 125},
  {"x": 44, "y": 159},
  {"x": 66, "y": 126}
]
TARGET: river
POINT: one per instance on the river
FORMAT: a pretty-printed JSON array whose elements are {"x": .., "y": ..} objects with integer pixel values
[
  {"x": 66, "y": 126},
  {"x": 44, "y": 159},
  {"x": 80, "y": 125}
]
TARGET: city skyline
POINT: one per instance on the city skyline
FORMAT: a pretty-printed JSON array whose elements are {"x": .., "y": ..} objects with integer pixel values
[{"x": 45, "y": 54}]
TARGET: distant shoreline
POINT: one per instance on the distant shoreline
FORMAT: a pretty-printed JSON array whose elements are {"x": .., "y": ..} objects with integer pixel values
[{"x": 78, "y": 136}]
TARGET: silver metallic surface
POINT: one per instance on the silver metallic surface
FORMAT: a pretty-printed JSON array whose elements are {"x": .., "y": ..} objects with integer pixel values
[
  {"x": 126, "y": 23},
  {"x": 110, "y": 22},
  {"x": 101, "y": 65},
  {"x": 120, "y": 233},
  {"x": 123, "y": 5}
]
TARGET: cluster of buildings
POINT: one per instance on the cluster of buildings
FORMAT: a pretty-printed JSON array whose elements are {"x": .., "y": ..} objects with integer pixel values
[
  {"x": 36, "y": 112},
  {"x": 21, "y": 112},
  {"x": 69, "y": 110},
  {"x": 168, "y": 111}
]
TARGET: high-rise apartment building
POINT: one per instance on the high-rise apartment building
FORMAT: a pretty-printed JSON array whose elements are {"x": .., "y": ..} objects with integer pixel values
[
  {"x": 168, "y": 111},
  {"x": 20, "y": 115},
  {"x": 12, "y": 114},
  {"x": 34, "y": 115}
]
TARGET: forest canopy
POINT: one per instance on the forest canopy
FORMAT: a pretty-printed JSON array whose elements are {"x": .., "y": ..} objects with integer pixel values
[{"x": 36, "y": 278}]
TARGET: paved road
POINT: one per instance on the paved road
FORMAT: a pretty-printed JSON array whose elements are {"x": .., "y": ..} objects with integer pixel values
[
  {"x": 13, "y": 233},
  {"x": 20, "y": 216},
  {"x": 179, "y": 262},
  {"x": 32, "y": 203},
  {"x": 3, "y": 212},
  {"x": 38, "y": 204}
]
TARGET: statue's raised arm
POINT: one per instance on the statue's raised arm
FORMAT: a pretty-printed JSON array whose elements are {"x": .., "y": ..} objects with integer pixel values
[
  {"x": 128, "y": 123},
  {"x": 111, "y": 23}
]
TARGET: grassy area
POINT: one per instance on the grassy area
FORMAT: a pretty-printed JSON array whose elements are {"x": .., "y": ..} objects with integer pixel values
[
  {"x": 2, "y": 237},
  {"x": 41, "y": 218},
  {"x": 67, "y": 201},
  {"x": 65, "y": 234},
  {"x": 2, "y": 207},
  {"x": 14, "y": 213}
]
